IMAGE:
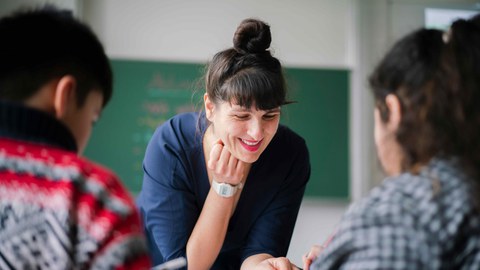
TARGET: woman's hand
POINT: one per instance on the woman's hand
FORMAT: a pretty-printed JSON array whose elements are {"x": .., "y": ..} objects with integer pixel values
[
  {"x": 315, "y": 251},
  {"x": 311, "y": 256},
  {"x": 280, "y": 263},
  {"x": 267, "y": 262},
  {"x": 224, "y": 167}
]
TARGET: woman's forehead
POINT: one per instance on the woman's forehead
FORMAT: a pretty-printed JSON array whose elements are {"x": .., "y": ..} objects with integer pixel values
[{"x": 237, "y": 108}]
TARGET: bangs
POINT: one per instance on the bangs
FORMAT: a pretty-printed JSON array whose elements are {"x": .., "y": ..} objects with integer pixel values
[{"x": 252, "y": 86}]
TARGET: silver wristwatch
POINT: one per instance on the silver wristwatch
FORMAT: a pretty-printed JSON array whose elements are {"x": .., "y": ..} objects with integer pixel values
[{"x": 224, "y": 189}]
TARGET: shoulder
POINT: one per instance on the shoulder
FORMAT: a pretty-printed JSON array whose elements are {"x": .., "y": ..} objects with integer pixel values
[
  {"x": 396, "y": 196},
  {"x": 384, "y": 221},
  {"x": 58, "y": 165},
  {"x": 417, "y": 200},
  {"x": 287, "y": 155},
  {"x": 288, "y": 149},
  {"x": 416, "y": 215},
  {"x": 184, "y": 120},
  {"x": 181, "y": 129},
  {"x": 288, "y": 140},
  {"x": 67, "y": 184},
  {"x": 177, "y": 142},
  {"x": 285, "y": 134},
  {"x": 103, "y": 184}
]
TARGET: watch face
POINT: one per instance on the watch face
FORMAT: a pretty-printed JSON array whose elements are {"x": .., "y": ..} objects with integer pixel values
[{"x": 224, "y": 189}]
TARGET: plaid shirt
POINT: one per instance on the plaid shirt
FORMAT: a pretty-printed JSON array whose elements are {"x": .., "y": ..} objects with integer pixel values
[{"x": 424, "y": 221}]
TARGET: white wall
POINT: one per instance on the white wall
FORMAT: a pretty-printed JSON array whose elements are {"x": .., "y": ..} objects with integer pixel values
[{"x": 304, "y": 32}]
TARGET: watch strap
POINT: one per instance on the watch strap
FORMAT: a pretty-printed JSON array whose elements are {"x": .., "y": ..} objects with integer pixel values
[{"x": 224, "y": 189}]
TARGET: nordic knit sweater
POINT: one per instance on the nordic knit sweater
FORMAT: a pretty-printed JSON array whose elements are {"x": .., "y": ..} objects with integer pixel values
[{"x": 58, "y": 210}]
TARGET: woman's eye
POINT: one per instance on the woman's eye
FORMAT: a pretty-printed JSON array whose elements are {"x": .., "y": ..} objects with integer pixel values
[
  {"x": 270, "y": 116},
  {"x": 241, "y": 117}
]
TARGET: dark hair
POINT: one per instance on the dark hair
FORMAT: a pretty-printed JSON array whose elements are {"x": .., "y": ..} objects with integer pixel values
[
  {"x": 435, "y": 75},
  {"x": 412, "y": 70},
  {"x": 42, "y": 44},
  {"x": 247, "y": 73},
  {"x": 463, "y": 56}
]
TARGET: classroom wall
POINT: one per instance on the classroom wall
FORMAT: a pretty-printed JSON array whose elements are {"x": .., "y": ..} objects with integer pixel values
[{"x": 305, "y": 33}]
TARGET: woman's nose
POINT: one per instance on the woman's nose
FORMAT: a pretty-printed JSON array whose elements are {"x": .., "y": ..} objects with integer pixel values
[{"x": 255, "y": 129}]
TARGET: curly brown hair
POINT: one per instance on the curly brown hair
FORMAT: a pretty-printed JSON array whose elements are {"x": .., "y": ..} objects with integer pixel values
[
  {"x": 436, "y": 77},
  {"x": 413, "y": 71},
  {"x": 462, "y": 57}
]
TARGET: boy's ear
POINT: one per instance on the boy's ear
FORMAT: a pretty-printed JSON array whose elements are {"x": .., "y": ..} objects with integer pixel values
[
  {"x": 395, "y": 111},
  {"x": 209, "y": 106},
  {"x": 65, "y": 95}
]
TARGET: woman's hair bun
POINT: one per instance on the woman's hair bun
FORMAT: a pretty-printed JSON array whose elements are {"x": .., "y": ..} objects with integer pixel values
[{"x": 252, "y": 36}]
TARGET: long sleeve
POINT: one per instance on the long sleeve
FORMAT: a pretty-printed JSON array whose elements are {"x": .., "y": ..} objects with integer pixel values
[{"x": 167, "y": 200}]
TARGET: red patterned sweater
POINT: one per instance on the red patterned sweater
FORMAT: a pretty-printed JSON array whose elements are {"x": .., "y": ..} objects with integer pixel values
[{"x": 58, "y": 210}]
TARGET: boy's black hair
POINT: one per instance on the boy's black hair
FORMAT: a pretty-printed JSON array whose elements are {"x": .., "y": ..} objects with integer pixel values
[{"x": 42, "y": 44}]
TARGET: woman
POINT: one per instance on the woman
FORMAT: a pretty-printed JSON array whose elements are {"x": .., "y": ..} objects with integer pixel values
[
  {"x": 224, "y": 187},
  {"x": 425, "y": 215}
]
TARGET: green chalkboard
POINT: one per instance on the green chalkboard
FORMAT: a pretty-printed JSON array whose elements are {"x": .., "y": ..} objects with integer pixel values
[
  {"x": 148, "y": 93},
  {"x": 320, "y": 116}
]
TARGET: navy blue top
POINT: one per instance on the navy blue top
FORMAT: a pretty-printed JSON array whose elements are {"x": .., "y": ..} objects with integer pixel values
[{"x": 175, "y": 187}]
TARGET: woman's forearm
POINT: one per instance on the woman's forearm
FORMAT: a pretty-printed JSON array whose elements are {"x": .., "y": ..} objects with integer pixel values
[{"x": 209, "y": 232}]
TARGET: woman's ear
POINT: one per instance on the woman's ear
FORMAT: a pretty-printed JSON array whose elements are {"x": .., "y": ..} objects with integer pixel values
[
  {"x": 65, "y": 96},
  {"x": 395, "y": 111},
  {"x": 209, "y": 107}
]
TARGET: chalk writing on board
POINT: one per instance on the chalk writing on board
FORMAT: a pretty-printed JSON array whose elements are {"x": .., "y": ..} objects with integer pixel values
[
  {"x": 168, "y": 83},
  {"x": 156, "y": 107}
]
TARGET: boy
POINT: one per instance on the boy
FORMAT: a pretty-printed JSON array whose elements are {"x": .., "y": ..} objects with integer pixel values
[{"x": 58, "y": 210}]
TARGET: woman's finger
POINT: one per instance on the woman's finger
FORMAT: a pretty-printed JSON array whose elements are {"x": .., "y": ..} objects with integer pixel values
[
  {"x": 214, "y": 155},
  {"x": 311, "y": 256},
  {"x": 222, "y": 163},
  {"x": 232, "y": 165}
]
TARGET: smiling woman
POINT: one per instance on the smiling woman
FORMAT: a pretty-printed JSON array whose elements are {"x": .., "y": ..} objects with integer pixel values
[{"x": 223, "y": 187}]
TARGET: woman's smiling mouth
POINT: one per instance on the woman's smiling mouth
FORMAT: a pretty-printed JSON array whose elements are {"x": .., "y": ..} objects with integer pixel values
[{"x": 251, "y": 146}]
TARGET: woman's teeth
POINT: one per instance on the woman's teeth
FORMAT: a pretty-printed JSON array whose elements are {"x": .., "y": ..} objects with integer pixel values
[{"x": 250, "y": 142}]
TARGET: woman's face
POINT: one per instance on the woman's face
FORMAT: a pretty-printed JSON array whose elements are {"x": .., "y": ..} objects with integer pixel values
[{"x": 245, "y": 132}]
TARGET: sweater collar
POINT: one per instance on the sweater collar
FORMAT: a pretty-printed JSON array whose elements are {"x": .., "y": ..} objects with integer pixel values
[{"x": 19, "y": 122}]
